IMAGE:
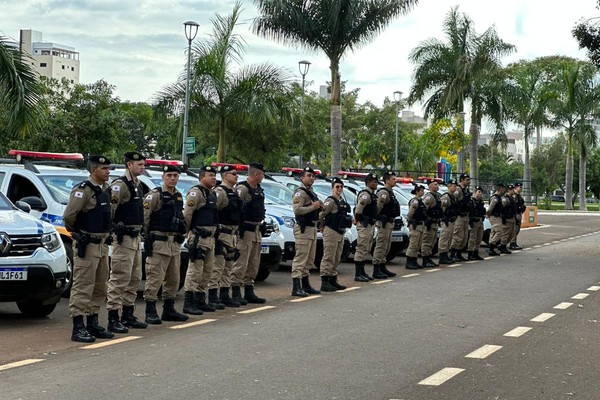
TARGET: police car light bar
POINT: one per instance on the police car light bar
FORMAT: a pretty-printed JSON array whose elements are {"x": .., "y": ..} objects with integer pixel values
[
  {"x": 348, "y": 174},
  {"x": 404, "y": 179},
  {"x": 291, "y": 170},
  {"x": 237, "y": 167},
  {"x": 156, "y": 162},
  {"x": 42, "y": 155}
]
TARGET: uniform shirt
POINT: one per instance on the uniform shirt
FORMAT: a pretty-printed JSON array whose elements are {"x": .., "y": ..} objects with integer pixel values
[
  {"x": 329, "y": 207},
  {"x": 383, "y": 197},
  {"x": 195, "y": 199},
  {"x": 222, "y": 198},
  {"x": 81, "y": 200},
  {"x": 413, "y": 205},
  {"x": 120, "y": 191},
  {"x": 302, "y": 202},
  {"x": 445, "y": 200},
  {"x": 363, "y": 201},
  {"x": 429, "y": 200},
  {"x": 493, "y": 203},
  {"x": 153, "y": 203},
  {"x": 506, "y": 200},
  {"x": 458, "y": 193}
]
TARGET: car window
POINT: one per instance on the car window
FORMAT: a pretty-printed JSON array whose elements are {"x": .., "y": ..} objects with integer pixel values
[
  {"x": 5, "y": 203},
  {"x": 21, "y": 187},
  {"x": 2, "y": 175},
  {"x": 60, "y": 186},
  {"x": 277, "y": 193}
]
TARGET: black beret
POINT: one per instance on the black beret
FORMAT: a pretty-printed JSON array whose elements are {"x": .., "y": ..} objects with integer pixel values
[
  {"x": 518, "y": 184},
  {"x": 509, "y": 187},
  {"x": 100, "y": 160},
  {"x": 336, "y": 180},
  {"x": 479, "y": 188},
  {"x": 208, "y": 168},
  {"x": 463, "y": 176},
  {"x": 500, "y": 184},
  {"x": 226, "y": 168},
  {"x": 370, "y": 177},
  {"x": 309, "y": 170},
  {"x": 257, "y": 166},
  {"x": 134, "y": 156},
  {"x": 452, "y": 182},
  {"x": 388, "y": 173},
  {"x": 171, "y": 168}
]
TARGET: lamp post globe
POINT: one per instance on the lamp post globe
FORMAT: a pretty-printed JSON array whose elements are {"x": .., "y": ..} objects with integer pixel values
[{"x": 303, "y": 67}]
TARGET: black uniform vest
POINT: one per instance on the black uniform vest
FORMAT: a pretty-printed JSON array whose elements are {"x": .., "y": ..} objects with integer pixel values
[
  {"x": 232, "y": 213},
  {"x": 452, "y": 210},
  {"x": 207, "y": 215},
  {"x": 340, "y": 220},
  {"x": 254, "y": 210},
  {"x": 169, "y": 218},
  {"x": 391, "y": 209},
  {"x": 510, "y": 210},
  {"x": 370, "y": 210},
  {"x": 520, "y": 204},
  {"x": 465, "y": 205},
  {"x": 313, "y": 215},
  {"x": 436, "y": 212},
  {"x": 99, "y": 218},
  {"x": 420, "y": 214},
  {"x": 498, "y": 208},
  {"x": 478, "y": 208},
  {"x": 131, "y": 212}
]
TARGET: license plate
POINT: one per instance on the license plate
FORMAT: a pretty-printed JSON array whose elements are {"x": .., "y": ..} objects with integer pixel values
[
  {"x": 396, "y": 238},
  {"x": 13, "y": 274},
  {"x": 264, "y": 249}
]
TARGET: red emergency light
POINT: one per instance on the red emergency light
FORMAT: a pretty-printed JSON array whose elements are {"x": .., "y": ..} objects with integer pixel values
[
  {"x": 404, "y": 179},
  {"x": 237, "y": 167},
  {"x": 42, "y": 155},
  {"x": 162, "y": 163},
  {"x": 291, "y": 170},
  {"x": 348, "y": 174}
]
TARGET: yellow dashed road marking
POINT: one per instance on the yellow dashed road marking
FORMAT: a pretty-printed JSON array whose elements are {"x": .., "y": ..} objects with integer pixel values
[
  {"x": 110, "y": 342},
  {"x": 20, "y": 363},
  {"x": 190, "y": 324}
]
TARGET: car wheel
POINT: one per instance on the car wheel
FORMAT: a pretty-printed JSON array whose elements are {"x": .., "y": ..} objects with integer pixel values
[
  {"x": 35, "y": 308},
  {"x": 486, "y": 236},
  {"x": 263, "y": 273},
  {"x": 69, "y": 251}
]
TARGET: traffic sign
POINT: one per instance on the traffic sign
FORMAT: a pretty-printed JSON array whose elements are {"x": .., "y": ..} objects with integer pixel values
[{"x": 190, "y": 145}]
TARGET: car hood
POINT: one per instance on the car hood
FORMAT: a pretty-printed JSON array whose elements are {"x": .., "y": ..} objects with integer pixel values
[
  {"x": 279, "y": 210},
  {"x": 20, "y": 223}
]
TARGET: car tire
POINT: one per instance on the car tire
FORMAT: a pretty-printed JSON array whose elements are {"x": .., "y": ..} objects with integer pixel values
[
  {"x": 486, "y": 236},
  {"x": 35, "y": 308},
  {"x": 69, "y": 251},
  {"x": 263, "y": 273}
]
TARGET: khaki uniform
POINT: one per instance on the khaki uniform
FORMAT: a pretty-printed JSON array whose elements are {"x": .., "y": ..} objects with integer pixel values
[
  {"x": 416, "y": 231},
  {"x": 306, "y": 239},
  {"x": 476, "y": 234},
  {"x": 333, "y": 241},
  {"x": 447, "y": 229},
  {"x": 384, "y": 235},
  {"x": 126, "y": 258},
  {"x": 460, "y": 233},
  {"x": 364, "y": 241},
  {"x": 224, "y": 258},
  {"x": 199, "y": 270},
  {"x": 496, "y": 232},
  {"x": 90, "y": 273},
  {"x": 246, "y": 266},
  {"x": 430, "y": 234},
  {"x": 508, "y": 228},
  {"x": 163, "y": 266}
]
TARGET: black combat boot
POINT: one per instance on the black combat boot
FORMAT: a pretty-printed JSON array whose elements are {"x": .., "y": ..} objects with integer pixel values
[
  {"x": 189, "y": 304},
  {"x": 458, "y": 255},
  {"x": 326, "y": 285},
  {"x": 114, "y": 324},
  {"x": 377, "y": 273},
  {"x": 386, "y": 271},
  {"x": 362, "y": 270},
  {"x": 306, "y": 286},
  {"x": 96, "y": 330},
  {"x": 130, "y": 320},
  {"x": 200, "y": 302},
  {"x": 214, "y": 301},
  {"x": 444, "y": 259},
  {"x": 170, "y": 313},
  {"x": 297, "y": 288},
  {"x": 151, "y": 315},
  {"x": 476, "y": 255},
  {"x": 428, "y": 263},
  {"x": 504, "y": 250},
  {"x": 432, "y": 262},
  {"x": 492, "y": 251},
  {"x": 334, "y": 282},
  {"x": 225, "y": 299},
  {"x": 359, "y": 267},
  {"x": 236, "y": 295},
  {"x": 80, "y": 334},
  {"x": 411, "y": 263},
  {"x": 515, "y": 246},
  {"x": 251, "y": 297}
]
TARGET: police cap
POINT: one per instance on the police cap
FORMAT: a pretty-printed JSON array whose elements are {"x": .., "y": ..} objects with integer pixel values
[
  {"x": 259, "y": 166},
  {"x": 518, "y": 184},
  {"x": 171, "y": 168},
  {"x": 510, "y": 187},
  {"x": 99, "y": 160},
  {"x": 388, "y": 174},
  {"x": 452, "y": 182},
  {"x": 208, "y": 168},
  {"x": 226, "y": 168},
  {"x": 308, "y": 170},
  {"x": 479, "y": 188},
  {"x": 370, "y": 177},
  {"x": 134, "y": 156},
  {"x": 500, "y": 185},
  {"x": 463, "y": 177},
  {"x": 335, "y": 181}
]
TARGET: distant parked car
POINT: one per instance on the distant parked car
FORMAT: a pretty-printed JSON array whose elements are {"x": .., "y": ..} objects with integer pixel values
[{"x": 557, "y": 198}]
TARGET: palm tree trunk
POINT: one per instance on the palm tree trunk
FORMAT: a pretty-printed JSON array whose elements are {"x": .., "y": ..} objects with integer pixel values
[
  {"x": 336, "y": 119},
  {"x": 582, "y": 183},
  {"x": 569, "y": 174},
  {"x": 221, "y": 149},
  {"x": 473, "y": 149},
  {"x": 527, "y": 171}
]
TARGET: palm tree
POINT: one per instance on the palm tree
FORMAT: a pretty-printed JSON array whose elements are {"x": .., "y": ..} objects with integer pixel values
[
  {"x": 465, "y": 68},
  {"x": 20, "y": 93},
  {"x": 221, "y": 91},
  {"x": 331, "y": 26}
]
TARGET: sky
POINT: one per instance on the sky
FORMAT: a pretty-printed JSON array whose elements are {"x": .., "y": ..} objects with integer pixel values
[{"x": 139, "y": 46}]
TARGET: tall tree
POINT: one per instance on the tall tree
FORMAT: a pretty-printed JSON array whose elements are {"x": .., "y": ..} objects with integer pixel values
[
  {"x": 465, "y": 68},
  {"x": 331, "y": 26}
]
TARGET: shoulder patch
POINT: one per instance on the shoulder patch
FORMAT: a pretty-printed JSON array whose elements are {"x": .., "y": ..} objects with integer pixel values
[
  {"x": 148, "y": 197},
  {"x": 365, "y": 196},
  {"x": 297, "y": 194},
  {"x": 78, "y": 194},
  {"x": 114, "y": 200},
  {"x": 192, "y": 193},
  {"x": 115, "y": 188},
  {"x": 296, "y": 201},
  {"x": 146, "y": 205},
  {"x": 191, "y": 203},
  {"x": 327, "y": 202}
]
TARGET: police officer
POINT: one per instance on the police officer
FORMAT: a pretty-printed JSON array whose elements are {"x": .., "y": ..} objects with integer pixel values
[
  {"x": 365, "y": 216},
  {"x": 495, "y": 213},
  {"x": 229, "y": 205},
  {"x": 520, "y": 209},
  {"x": 389, "y": 209},
  {"x": 126, "y": 259},
  {"x": 246, "y": 266},
  {"x": 417, "y": 215},
  {"x": 434, "y": 213},
  {"x": 508, "y": 219},
  {"x": 450, "y": 209},
  {"x": 88, "y": 218},
  {"x": 335, "y": 219},
  {"x": 164, "y": 234},
  {"x": 476, "y": 222},
  {"x": 306, "y": 206},
  {"x": 202, "y": 220},
  {"x": 460, "y": 235}
]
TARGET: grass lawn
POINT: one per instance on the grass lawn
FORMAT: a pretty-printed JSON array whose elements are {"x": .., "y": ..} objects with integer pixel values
[{"x": 561, "y": 206}]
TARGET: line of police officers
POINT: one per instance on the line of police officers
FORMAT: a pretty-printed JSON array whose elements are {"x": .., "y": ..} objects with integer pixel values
[{"x": 222, "y": 226}]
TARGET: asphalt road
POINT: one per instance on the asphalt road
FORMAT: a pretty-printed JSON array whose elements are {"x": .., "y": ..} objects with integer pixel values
[{"x": 403, "y": 339}]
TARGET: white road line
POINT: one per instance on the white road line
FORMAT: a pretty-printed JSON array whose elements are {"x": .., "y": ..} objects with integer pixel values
[
  {"x": 593, "y": 288},
  {"x": 580, "y": 296},
  {"x": 517, "y": 332},
  {"x": 537, "y": 246},
  {"x": 348, "y": 289},
  {"x": 190, "y": 324},
  {"x": 484, "y": 351},
  {"x": 488, "y": 257},
  {"x": 433, "y": 270},
  {"x": 441, "y": 376},
  {"x": 527, "y": 249},
  {"x": 110, "y": 342},
  {"x": 453, "y": 265},
  {"x": 547, "y": 244},
  {"x": 20, "y": 363},
  {"x": 409, "y": 275},
  {"x": 516, "y": 251},
  {"x": 383, "y": 281},
  {"x": 300, "y": 300},
  {"x": 563, "y": 305},
  {"x": 470, "y": 262},
  {"x": 253, "y": 310},
  {"x": 542, "y": 317},
  {"x": 556, "y": 241}
]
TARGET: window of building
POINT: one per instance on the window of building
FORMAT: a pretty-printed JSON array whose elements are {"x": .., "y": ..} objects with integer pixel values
[
  {"x": 72, "y": 81},
  {"x": 63, "y": 67},
  {"x": 72, "y": 68},
  {"x": 45, "y": 52},
  {"x": 42, "y": 65}
]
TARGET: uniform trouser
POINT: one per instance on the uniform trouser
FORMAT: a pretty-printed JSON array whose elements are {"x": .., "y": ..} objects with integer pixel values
[
  {"x": 508, "y": 231},
  {"x": 246, "y": 267},
  {"x": 428, "y": 241},
  {"x": 125, "y": 273},
  {"x": 224, "y": 255},
  {"x": 306, "y": 249},
  {"x": 445, "y": 237},
  {"x": 333, "y": 244},
  {"x": 415, "y": 240},
  {"x": 475, "y": 236},
  {"x": 90, "y": 275},
  {"x": 163, "y": 268},
  {"x": 496, "y": 232},
  {"x": 518, "y": 220},
  {"x": 199, "y": 270},
  {"x": 383, "y": 242},
  {"x": 461, "y": 233},
  {"x": 364, "y": 242}
]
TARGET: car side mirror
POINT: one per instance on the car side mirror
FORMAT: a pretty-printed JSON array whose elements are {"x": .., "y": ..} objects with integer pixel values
[
  {"x": 34, "y": 202},
  {"x": 21, "y": 205}
]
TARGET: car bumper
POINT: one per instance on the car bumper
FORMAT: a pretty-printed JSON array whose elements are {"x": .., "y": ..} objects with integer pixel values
[{"x": 270, "y": 254}]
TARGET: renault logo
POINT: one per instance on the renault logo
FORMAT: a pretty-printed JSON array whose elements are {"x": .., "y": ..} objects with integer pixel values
[{"x": 5, "y": 244}]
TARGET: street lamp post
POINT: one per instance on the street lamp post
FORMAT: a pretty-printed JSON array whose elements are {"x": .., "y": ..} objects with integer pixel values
[
  {"x": 191, "y": 29},
  {"x": 303, "y": 67},
  {"x": 397, "y": 98}
]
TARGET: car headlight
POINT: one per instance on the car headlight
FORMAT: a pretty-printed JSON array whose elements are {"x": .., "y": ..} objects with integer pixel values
[
  {"x": 289, "y": 222},
  {"x": 51, "y": 241}
]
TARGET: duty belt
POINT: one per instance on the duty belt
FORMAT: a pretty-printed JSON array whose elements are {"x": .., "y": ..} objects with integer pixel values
[{"x": 226, "y": 230}]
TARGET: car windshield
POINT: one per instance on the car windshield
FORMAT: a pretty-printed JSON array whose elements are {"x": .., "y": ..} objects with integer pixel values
[
  {"x": 60, "y": 186},
  {"x": 277, "y": 193},
  {"x": 5, "y": 203},
  {"x": 324, "y": 190}
]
